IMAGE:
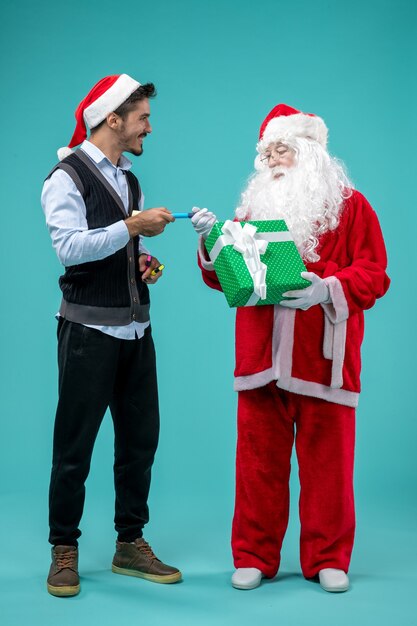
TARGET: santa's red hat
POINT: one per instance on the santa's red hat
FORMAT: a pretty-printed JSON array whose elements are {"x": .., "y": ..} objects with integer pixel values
[
  {"x": 106, "y": 96},
  {"x": 285, "y": 122}
]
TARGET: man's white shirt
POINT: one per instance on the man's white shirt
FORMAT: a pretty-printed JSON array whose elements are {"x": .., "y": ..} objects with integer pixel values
[{"x": 74, "y": 243}]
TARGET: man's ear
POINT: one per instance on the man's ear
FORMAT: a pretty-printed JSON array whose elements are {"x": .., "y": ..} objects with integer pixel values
[{"x": 113, "y": 120}]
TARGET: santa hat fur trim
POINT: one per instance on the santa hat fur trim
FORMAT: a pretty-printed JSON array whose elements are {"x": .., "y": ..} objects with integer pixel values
[
  {"x": 106, "y": 96},
  {"x": 285, "y": 122}
]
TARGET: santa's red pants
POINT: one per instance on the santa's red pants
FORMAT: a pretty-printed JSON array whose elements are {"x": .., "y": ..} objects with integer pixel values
[{"x": 324, "y": 440}]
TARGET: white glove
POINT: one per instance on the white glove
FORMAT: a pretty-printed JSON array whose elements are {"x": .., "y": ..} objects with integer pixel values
[
  {"x": 317, "y": 293},
  {"x": 203, "y": 221}
]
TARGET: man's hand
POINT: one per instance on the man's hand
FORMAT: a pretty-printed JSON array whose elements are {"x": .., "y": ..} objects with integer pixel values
[
  {"x": 316, "y": 293},
  {"x": 143, "y": 267},
  {"x": 203, "y": 221},
  {"x": 149, "y": 223}
]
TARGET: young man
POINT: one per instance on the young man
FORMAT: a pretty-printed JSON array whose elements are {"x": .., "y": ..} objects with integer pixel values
[
  {"x": 298, "y": 363},
  {"x": 106, "y": 355}
]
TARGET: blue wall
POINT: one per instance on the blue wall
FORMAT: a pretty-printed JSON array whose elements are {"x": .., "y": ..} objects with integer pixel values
[{"x": 219, "y": 67}]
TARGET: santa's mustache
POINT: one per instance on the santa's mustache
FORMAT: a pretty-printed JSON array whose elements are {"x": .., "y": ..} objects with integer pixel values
[{"x": 278, "y": 171}]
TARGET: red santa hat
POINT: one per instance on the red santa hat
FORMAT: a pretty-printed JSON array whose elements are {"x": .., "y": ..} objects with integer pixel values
[
  {"x": 106, "y": 96},
  {"x": 285, "y": 122}
]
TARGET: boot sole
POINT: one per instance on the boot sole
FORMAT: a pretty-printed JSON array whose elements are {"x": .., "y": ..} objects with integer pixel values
[
  {"x": 167, "y": 579},
  {"x": 63, "y": 592}
]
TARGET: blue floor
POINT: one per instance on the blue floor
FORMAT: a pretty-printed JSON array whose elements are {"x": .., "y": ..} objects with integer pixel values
[{"x": 383, "y": 574}]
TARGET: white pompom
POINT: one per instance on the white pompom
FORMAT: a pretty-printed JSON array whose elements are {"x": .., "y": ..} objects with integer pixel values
[{"x": 64, "y": 152}]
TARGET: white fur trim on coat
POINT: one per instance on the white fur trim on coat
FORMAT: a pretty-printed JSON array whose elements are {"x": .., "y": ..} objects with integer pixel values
[
  {"x": 308, "y": 388},
  {"x": 282, "y": 359},
  {"x": 337, "y": 310}
]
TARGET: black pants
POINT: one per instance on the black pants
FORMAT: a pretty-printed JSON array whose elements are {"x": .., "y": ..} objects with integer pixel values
[{"x": 97, "y": 371}]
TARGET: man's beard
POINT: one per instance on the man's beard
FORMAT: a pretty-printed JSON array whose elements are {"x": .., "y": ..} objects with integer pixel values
[
  {"x": 128, "y": 142},
  {"x": 134, "y": 151},
  {"x": 309, "y": 201}
]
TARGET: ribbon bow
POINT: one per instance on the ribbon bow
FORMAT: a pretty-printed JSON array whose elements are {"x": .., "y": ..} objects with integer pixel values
[{"x": 249, "y": 243}]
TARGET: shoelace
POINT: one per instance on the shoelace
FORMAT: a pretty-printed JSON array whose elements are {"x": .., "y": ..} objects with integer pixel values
[
  {"x": 147, "y": 550},
  {"x": 65, "y": 560}
]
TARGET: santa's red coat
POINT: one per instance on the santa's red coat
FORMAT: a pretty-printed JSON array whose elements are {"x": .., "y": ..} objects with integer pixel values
[{"x": 316, "y": 352}]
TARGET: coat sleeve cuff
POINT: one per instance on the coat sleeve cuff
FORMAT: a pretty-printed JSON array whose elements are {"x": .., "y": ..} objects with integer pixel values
[
  {"x": 204, "y": 257},
  {"x": 337, "y": 310}
]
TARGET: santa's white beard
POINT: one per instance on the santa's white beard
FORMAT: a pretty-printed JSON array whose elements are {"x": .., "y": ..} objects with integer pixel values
[{"x": 309, "y": 202}]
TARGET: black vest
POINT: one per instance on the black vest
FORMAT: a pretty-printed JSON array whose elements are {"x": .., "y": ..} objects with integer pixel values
[{"x": 109, "y": 292}]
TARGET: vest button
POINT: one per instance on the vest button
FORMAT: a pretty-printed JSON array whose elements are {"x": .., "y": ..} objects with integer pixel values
[
  {"x": 132, "y": 280},
  {"x": 133, "y": 316},
  {"x": 135, "y": 299}
]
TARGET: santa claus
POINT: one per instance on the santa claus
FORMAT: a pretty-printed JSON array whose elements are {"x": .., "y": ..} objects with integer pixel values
[{"x": 298, "y": 363}]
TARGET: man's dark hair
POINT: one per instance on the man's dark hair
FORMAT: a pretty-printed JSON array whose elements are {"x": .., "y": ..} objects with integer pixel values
[
  {"x": 147, "y": 90},
  {"x": 144, "y": 91}
]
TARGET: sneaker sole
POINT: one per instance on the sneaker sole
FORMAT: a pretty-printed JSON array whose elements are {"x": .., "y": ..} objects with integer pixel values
[
  {"x": 63, "y": 592},
  {"x": 167, "y": 579},
  {"x": 246, "y": 587},
  {"x": 333, "y": 590}
]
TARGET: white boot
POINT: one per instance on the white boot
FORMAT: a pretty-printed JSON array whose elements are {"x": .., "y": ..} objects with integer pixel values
[
  {"x": 246, "y": 578},
  {"x": 333, "y": 579}
]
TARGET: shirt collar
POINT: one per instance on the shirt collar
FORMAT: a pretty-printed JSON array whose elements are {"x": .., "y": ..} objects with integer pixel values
[{"x": 98, "y": 156}]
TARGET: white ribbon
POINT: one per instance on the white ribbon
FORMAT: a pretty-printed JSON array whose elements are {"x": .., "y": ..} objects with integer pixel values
[{"x": 251, "y": 244}]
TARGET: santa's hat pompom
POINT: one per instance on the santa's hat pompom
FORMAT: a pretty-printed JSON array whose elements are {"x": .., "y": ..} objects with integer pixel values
[{"x": 64, "y": 152}]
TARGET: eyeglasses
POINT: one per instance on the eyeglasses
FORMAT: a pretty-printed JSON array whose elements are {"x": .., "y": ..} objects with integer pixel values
[{"x": 279, "y": 152}]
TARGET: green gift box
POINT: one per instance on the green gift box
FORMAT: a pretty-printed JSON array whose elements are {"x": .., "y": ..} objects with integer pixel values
[{"x": 255, "y": 262}]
